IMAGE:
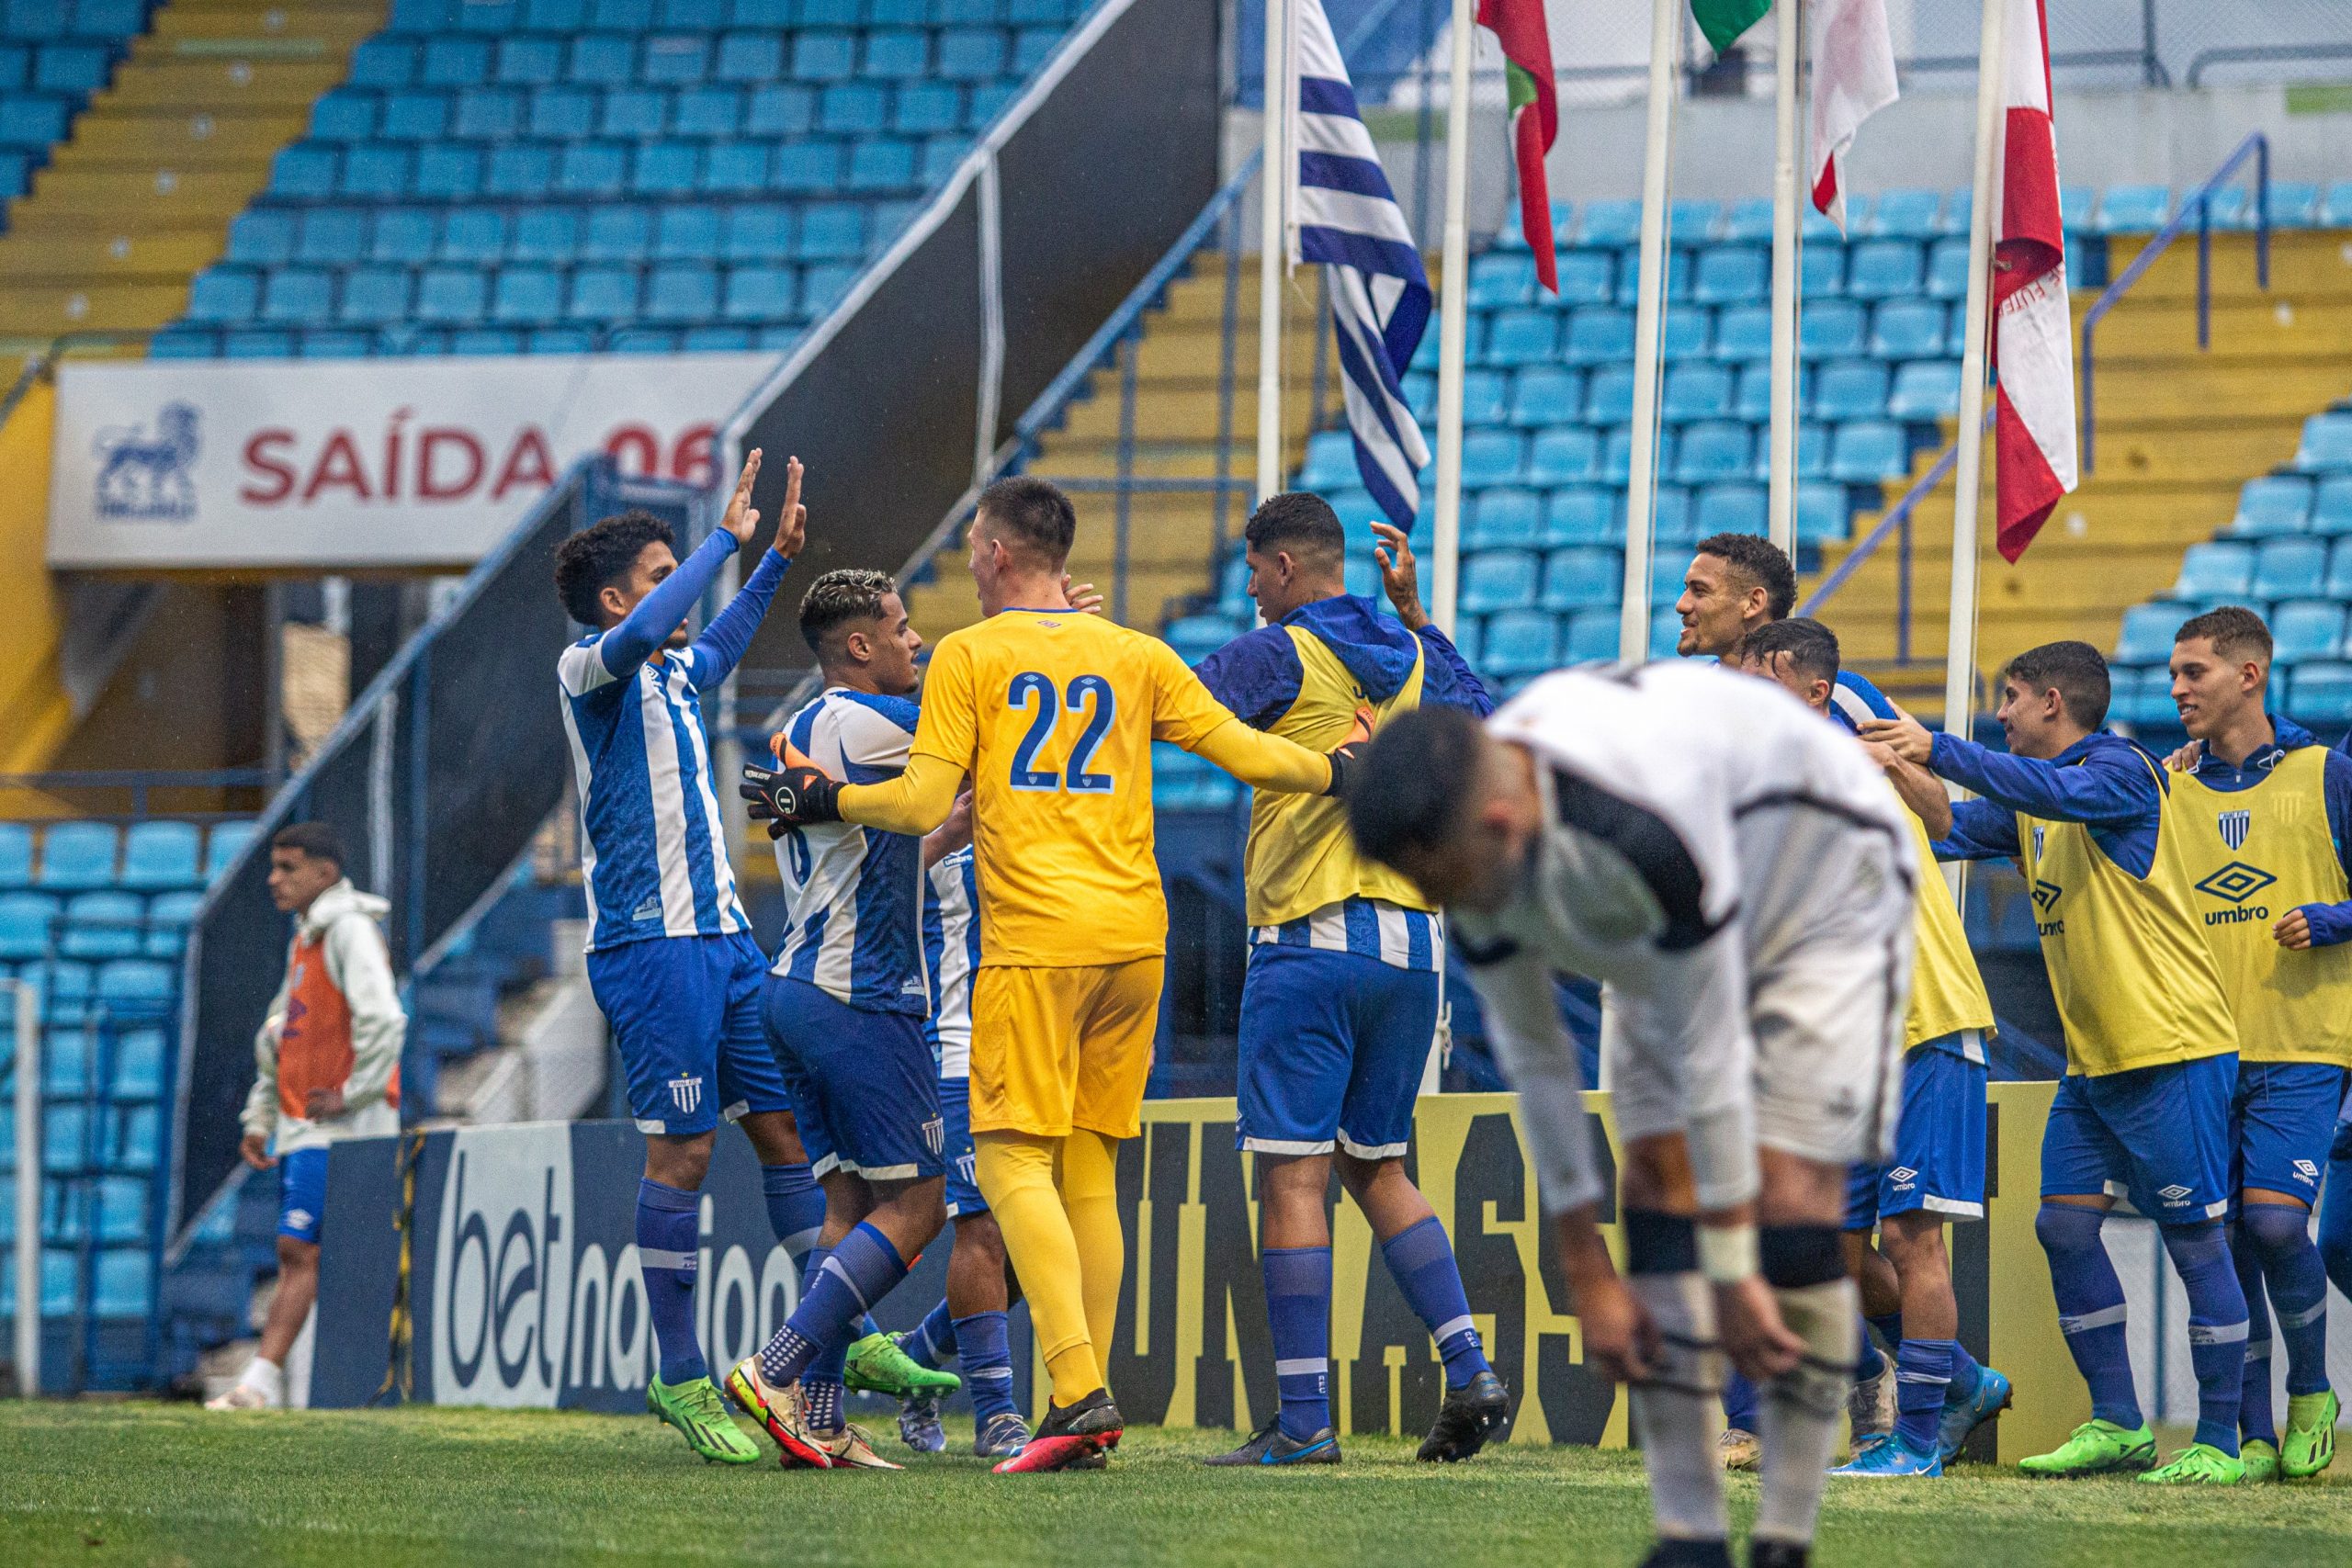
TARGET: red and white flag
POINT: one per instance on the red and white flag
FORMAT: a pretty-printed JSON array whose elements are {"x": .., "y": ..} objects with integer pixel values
[
  {"x": 2033, "y": 340},
  {"x": 1853, "y": 78}
]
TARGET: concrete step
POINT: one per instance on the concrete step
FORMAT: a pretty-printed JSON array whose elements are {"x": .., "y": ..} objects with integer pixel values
[
  {"x": 167, "y": 256},
  {"x": 220, "y": 80},
  {"x": 179, "y": 139},
  {"x": 45, "y": 311}
]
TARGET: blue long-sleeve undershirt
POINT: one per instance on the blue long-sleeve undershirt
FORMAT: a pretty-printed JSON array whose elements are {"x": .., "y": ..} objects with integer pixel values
[
  {"x": 724, "y": 641},
  {"x": 2102, "y": 781}
]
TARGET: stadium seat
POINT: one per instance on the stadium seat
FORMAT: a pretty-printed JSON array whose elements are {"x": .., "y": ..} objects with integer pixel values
[
  {"x": 103, "y": 924},
  {"x": 2215, "y": 570},
  {"x": 1821, "y": 271},
  {"x": 1609, "y": 395},
  {"x": 1561, "y": 456},
  {"x": 1590, "y": 637},
  {"x": 135, "y": 984},
  {"x": 2272, "y": 505},
  {"x": 1586, "y": 277},
  {"x": 2305, "y": 629},
  {"x": 618, "y": 233},
  {"x": 78, "y": 855},
  {"x": 1732, "y": 275},
  {"x": 2287, "y": 569},
  {"x": 1521, "y": 337},
  {"x": 2132, "y": 210},
  {"x": 1685, "y": 335},
  {"x": 1501, "y": 278},
  {"x": 1678, "y": 278},
  {"x": 1490, "y": 457},
  {"x": 2075, "y": 206},
  {"x": 1544, "y": 394},
  {"x": 159, "y": 854},
  {"x": 1611, "y": 225},
  {"x": 2148, "y": 634},
  {"x": 1692, "y": 220},
  {"x": 1672, "y": 517},
  {"x": 1729, "y": 509},
  {"x": 1823, "y": 513},
  {"x": 2294, "y": 204},
  {"x": 1948, "y": 270},
  {"x": 16, "y": 854},
  {"x": 1498, "y": 580},
  {"x": 27, "y": 923},
  {"x": 223, "y": 844},
  {"x": 1581, "y": 577},
  {"x": 1599, "y": 336},
  {"x": 1867, "y": 450},
  {"x": 1517, "y": 642},
  {"x": 2331, "y": 506},
  {"x": 1505, "y": 519},
  {"x": 606, "y": 294},
  {"x": 1851, "y": 389},
  {"x": 1909, "y": 328},
  {"x": 1902, "y": 215},
  {"x": 1885, "y": 269},
  {"x": 2339, "y": 572},
  {"x": 1580, "y": 514},
  {"x": 1330, "y": 461},
  {"x": 168, "y": 917},
  {"x": 1712, "y": 450},
  {"x": 2326, "y": 446},
  {"x": 1925, "y": 389},
  {"x": 1692, "y": 391},
  {"x": 2321, "y": 693},
  {"x": 1743, "y": 332}
]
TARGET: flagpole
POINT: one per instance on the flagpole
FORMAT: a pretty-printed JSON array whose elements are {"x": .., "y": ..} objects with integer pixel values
[
  {"x": 1959, "y": 657},
  {"x": 1454, "y": 321},
  {"x": 1649, "y": 321},
  {"x": 1275, "y": 173},
  {"x": 1782, "y": 468}
]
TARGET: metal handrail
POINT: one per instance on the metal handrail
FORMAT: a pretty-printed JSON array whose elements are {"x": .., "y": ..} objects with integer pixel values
[
  {"x": 140, "y": 781},
  {"x": 2255, "y": 145},
  {"x": 2255, "y": 54}
]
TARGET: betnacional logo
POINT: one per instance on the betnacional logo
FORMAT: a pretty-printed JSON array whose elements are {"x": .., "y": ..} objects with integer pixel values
[{"x": 150, "y": 478}]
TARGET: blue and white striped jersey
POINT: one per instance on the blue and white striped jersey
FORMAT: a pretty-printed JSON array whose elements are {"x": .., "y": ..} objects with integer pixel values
[
  {"x": 1371, "y": 928},
  {"x": 950, "y": 951},
  {"x": 854, "y": 894},
  {"x": 652, "y": 845}
]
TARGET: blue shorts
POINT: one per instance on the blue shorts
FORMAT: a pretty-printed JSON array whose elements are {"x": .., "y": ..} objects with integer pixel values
[
  {"x": 2159, "y": 1136},
  {"x": 1333, "y": 1046},
  {"x": 1939, "y": 1161},
  {"x": 863, "y": 1084},
  {"x": 964, "y": 1198},
  {"x": 301, "y": 1193},
  {"x": 686, "y": 1017},
  {"x": 2285, "y": 1121}
]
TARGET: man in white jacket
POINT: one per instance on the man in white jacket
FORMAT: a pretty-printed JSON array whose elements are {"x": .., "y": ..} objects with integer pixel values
[{"x": 327, "y": 1067}]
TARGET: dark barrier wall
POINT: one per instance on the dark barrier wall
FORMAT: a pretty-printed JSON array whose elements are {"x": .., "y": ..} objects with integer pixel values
[
  {"x": 1096, "y": 184},
  {"x": 450, "y": 760}
]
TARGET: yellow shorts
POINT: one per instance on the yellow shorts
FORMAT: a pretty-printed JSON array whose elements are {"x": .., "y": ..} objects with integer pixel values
[{"x": 1054, "y": 1049}]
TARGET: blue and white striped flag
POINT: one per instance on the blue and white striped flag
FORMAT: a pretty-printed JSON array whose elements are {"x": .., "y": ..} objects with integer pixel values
[{"x": 1345, "y": 216}]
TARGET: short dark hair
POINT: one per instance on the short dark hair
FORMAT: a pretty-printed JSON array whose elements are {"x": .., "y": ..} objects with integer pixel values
[
  {"x": 1300, "y": 522},
  {"x": 1035, "y": 512},
  {"x": 594, "y": 558},
  {"x": 1761, "y": 562},
  {"x": 1414, "y": 782},
  {"x": 315, "y": 839},
  {"x": 1812, "y": 647},
  {"x": 844, "y": 595},
  {"x": 2235, "y": 632},
  {"x": 2076, "y": 671}
]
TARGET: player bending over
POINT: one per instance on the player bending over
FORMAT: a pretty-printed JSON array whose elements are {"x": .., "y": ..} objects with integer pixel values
[
  {"x": 2151, "y": 1049},
  {"x": 1941, "y": 1395},
  {"x": 1340, "y": 1006},
  {"x": 845, "y": 1004},
  {"x": 1740, "y": 880},
  {"x": 2265, "y": 815},
  {"x": 1051, "y": 714},
  {"x": 671, "y": 957}
]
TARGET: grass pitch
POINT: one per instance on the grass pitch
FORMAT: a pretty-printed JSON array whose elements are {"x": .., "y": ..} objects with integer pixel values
[{"x": 98, "y": 1483}]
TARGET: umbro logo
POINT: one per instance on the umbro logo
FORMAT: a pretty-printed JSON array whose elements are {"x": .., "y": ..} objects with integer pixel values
[
  {"x": 298, "y": 1219},
  {"x": 2236, "y": 882},
  {"x": 2172, "y": 1194},
  {"x": 1904, "y": 1174},
  {"x": 2045, "y": 894},
  {"x": 2235, "y": 826},
  {"x": 2307, "y": 1172}
]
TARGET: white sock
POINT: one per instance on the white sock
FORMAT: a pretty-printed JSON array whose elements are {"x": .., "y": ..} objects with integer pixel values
[
  {"x": 265, "y": 1378},
  {"x": 1802, "y": 1407},
  {"x": 1678, "y": 1408}
]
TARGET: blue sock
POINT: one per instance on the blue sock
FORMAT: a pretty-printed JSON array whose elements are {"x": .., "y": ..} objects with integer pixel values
[
  {"x": 1922, "y": 1374},
  {"x": 796, "y": 1207},
  {"x": 1869, "y": 1362},
  {"x": 1298, "y": 1309},
  {"x": 1889, "y": 1325},
  {"x": 668, "y": 1237},
  {"x": 857, "y": 1273},
  {"x": 2090, "y": 1308},
  {"x": 985, "y": 1342},
  {"x": 2279, "y": 1235},
  {"x": 1422, "y": 1261},
  {"x": 2258, "y": 1420},
  {"x": 2217, "y": 1327},
  {"x": 932, "y": 1342},
  {"x": 1966, "y": 1374},
  {"x": 824, "y": 1399},
  {"x": 820, "y": 1380},
  {"x": 1739, "y": 1402}
]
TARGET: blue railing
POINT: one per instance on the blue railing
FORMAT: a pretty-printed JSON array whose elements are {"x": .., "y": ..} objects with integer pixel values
[
  {"x": 2200, "y": 202},
  {"x": 141, "y": 784}
]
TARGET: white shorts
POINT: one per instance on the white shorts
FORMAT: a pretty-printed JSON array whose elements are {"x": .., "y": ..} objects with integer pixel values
[{"x": 1812, "y": 1002}]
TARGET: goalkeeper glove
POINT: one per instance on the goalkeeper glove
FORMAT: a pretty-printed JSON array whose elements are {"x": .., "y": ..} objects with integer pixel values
[
  {"x": 1343, "y": 756},
  {"x": 795, "y": 792}
]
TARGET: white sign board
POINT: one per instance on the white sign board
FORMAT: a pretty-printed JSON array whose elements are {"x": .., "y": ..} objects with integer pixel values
[{"x": 358, "y": 463}]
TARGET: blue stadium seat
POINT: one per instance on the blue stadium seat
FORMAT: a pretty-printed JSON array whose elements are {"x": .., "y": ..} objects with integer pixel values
[
  {"x": 1591, "y": 637},
  {"x": 1850, "y": 389},
  {"x": 122, "y": 1217},
  {"x": 921, "y": 107},
  {"x": 1330, "y": 461},
  {"x": 1907, "y": 328},
  {"x": 1609, "y": 395},
  {"x": 2304, "y": 629},
  {"x": 2339, "y": 572},
  {"x": 827, "y": 57},
  {"x": 158, "y": 855},
  {"x": 563, "y": 114},
  {"x": 1673, "y": 520},
  {"x": 1498, "y": 580},
  {"x": 2321, "y": 693},
  {"x": 224, "y": 294},
  {"x": 2331, "y": 506},
  {"x": 527, "y": 296},
  {"x": 2076, "y": 206},
  {"x": 168, "y": 917},
  {"x": 1586, "y": 277},
  {"x": 184, "y": 343},
  {"x": 814, "y": 167},
  {"x": 446, "y": 172},
  {"x": 1732, "y": 275},
  {"x": 222, "y": 844},
  {"x": 1885, "y": 269},
  {"x": 1821, "y": 270},
  {"x": 450, "y": 295},
  {"x": 1581, "y": 577},
  {"x": 261, "y": 237},
  {"x": 16, "y": 854},
  {"x": 615, "y": 233},
  {"x": 1490, "y": 457},
  {"x": 455, "y": 63},
  {"x": 1521, "y": 337},
  {"x": 1599, "y": 336},
  {"x": 133, "y": 984},
  {"x": 2132, "y": 209},
  {"x": 1692, "y": 391},
  {"x": 2219, "y": 570},
  {"x": 345, "y": 115},
  {"x": 1867, "y": 450},
  {"x": 1517, "y": 642},
  {"x": 1902, "y": 215},
  {"x": 592, "y": 169},
  {"x": 259, "y": 344},
  {"x": 1505, "y": 519},
  {"x": 1686, "y": 334},
  {"x": 2326, "y": 446},
  {"x": 1747, "y": 221},
  {"x": 2148, "y": 634},
  {"x": 601, "y": 293},
  {"x": 1563, "y": 455},
  {"x": 607, "y": 60},
  {"x": 1678, "y": 278},
  {"x": 487, "y": 114},
  {"x": 2294, "y": 204},
  {"x": 759, "y": 233},
  {"x": 897, "y": 54},
  {"x": 1544, "y": 394},
  {"x": 414, "y": 116},
  {"x": 1617, "y": 454},
  {"x": 2287, "y": 569},
  {"x": 1925, "y": 389},
  {"x": 706, "y": 111},
  {"x": 675, "y": 59},
  {"x": 853, "y": 108},
  {"x": 633, "y": 114},
  {"x": 1711, "y": 450},
  {"x": 1693, "y": 220},
  {"x": 524, "y": 169},
  {"x": 1499, "y": 278},
  {"x": 780, "y": 108},
  {"x": 1730, "y": 509},
  {"x": 104, "y": 924},
  {"x": 822, "y": 286},
  {"x": 335, "y": 343},
  {"x": 78, "y": 855},
  {"x": 478, "y": 234},
  {"x": 1831, "y": 329},
  {"x": 331, "y": 236},
  {"x": 139, "y": 1065},
  {"x": 686, "y": 233},
  {"x": 25, "y": 923},
  {"x": 1823, "y": 513},
  {"x": 530, "y": 62},
  {"x": 2271, "y": 506},
  {"x": 1743, "y": 332},
  {"x": 681, "y": 292},
  {"x": 303, "y": 172},
  {"x": 1948, "y": 270},
  {"x": 1612, "y": 225},
  {"x": 1580, "y": 514},
  {"x": 880, "y": 164}
]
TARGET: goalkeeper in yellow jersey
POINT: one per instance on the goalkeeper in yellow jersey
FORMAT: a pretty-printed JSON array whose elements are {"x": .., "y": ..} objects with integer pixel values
[{"x": 1052, "y": 715}]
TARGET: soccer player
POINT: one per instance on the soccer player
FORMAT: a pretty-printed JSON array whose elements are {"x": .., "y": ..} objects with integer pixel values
[
  {"x": 1340, "y": 1005},
  {"x": 2265, "y": 813},
  {"x": 844, "y": 1007},
  {"x": 671, "y": 956},
  {"x": 1051, "y": 714},
  {"x": 327, "y": 1065},
  {"x": 1739, "y": 879},
  {"x": 2151, "y": 1049},
  {"x": 1942, "y": 1393}
]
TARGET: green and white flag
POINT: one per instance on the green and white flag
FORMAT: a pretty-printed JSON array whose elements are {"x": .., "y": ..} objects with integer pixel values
[{"x": 1724, "y": 20}]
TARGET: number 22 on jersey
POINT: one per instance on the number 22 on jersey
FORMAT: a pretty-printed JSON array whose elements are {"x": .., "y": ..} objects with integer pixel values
[{"x": 1089, "y": 697}]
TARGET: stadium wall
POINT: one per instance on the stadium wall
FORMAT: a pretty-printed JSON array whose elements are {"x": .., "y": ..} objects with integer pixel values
[{"x": 514, "y": 1246}]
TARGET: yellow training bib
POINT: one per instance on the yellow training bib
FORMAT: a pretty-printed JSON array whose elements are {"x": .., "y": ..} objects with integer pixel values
[{"x": 1946, "y": 992}]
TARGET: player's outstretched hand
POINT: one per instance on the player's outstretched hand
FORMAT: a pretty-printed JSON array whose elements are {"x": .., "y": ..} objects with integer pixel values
[
  {"x": 1619, "y": 1337},
  {"x": 742, "y": 519},
  {"x": 1902, "y": 735},
  {"x": 1749, "y": 1319},
  {"x": 1343, "y": 756},
  {"x": 793, "y": 794},
  {"x": 1399, "y": 576},
  {"x": 791, "y": 518}
]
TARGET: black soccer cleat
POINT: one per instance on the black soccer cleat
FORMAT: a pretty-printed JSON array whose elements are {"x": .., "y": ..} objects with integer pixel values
[
  {"x": 1270, "y": 1445},
  {"x": 1688, "y": 1554},
  {"x": 1476, "y": 1413},
  {"x": 1777, "y": 1554},
  {"x": 1071, "y": 1437}
]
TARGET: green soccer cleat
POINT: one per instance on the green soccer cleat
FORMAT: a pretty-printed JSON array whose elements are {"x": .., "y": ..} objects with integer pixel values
[
  {"x": 2097, "y": 1448},
  {"x": 694, "y": 1408},
  {"x": 2310, "y": 1447},
  {"x": 878, "y": 1365},
  {"x": 2261, "y": 1462},
  {"x": 2198, "y": 1464}
]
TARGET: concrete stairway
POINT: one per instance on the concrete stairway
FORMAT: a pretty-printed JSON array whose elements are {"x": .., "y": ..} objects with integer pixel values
[{"x": 2180, "y": 430}]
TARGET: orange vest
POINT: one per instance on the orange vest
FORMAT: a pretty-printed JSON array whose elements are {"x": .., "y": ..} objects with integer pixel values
[{"x": 314, "y": 1044}]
